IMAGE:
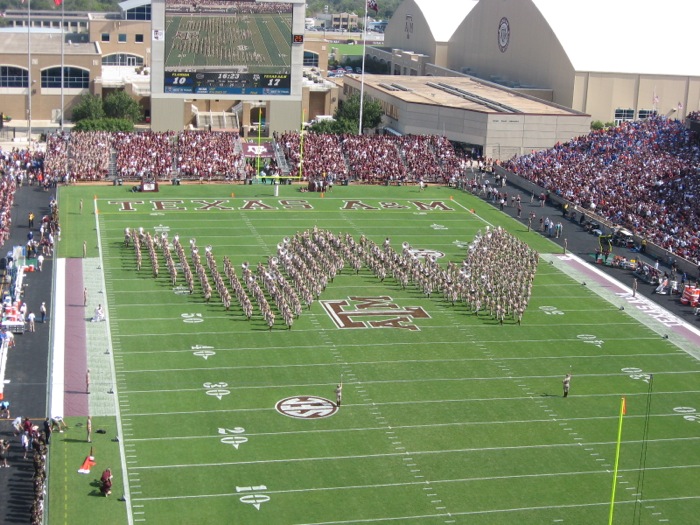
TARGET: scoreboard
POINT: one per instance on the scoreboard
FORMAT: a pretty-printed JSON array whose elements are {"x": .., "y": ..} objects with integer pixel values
[
  {"x": 228, "y": 47},
  {"x": 227, "y": 83}
]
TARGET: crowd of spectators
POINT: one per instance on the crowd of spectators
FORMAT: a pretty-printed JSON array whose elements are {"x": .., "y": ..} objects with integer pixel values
[
  {"x": 323, "y": 155},
  {"x": 694, "y": 115},
  {"x": 147, "y": 154},
  {"x": 208, "y": 155},
  {"x": 15, "y": 165},
  {"x": 373, "y": 159},
  {"x": 643, "y": 175},
  {"x": 77, "y": 156}
]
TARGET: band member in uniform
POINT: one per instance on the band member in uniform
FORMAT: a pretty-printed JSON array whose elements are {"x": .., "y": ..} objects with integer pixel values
[
  {"x": 566, "y": 383},
  {"x": 339, "y": 394}
]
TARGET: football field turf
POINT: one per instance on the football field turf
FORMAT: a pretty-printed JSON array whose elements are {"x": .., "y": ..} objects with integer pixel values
[
  {"x": 266, "y": 34},
  {"x": 447, "y": 417}
]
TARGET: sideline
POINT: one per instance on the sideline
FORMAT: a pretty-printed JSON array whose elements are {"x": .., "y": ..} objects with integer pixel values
[{"x": 640, "y": 308}]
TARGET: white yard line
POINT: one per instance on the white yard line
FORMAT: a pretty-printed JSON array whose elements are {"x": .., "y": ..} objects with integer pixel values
[
  {"x": 407, "y": 427},
  {"x": 411, "y": 452},
  {"x": 394, "y": 403},
  {"x": 414, "y": 483},
  {"x": 397, "y": 362},
  {"x": 398, "y": 344}
]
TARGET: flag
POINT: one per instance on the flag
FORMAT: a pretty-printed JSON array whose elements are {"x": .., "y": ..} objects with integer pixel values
[
  {"x": 372, "y": 4},
  {"x": 87, "y": 464},
  {"x": 680, "y": 107},
  {"x": 624, "y": 406}
]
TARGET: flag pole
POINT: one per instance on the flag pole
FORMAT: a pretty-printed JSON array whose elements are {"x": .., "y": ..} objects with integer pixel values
[
  {"x": 623, "y": 411},
  {"x": 63, "y": 61},
  {"x": 29, "y": 73},
  {"x": 362, "y": 75},
  {"x": 301, "y": 145}
]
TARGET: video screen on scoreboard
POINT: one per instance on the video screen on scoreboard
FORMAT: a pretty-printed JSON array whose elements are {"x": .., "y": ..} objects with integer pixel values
[{"x": 220, "y": 47}]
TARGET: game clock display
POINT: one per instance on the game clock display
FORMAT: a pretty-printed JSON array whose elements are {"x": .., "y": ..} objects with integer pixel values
[{"x": 227, "y": 83}]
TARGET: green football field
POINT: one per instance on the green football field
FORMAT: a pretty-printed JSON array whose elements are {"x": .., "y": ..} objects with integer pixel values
[
  {"x": 211, "y": 41},
  {"x": 447, "y": 418}
]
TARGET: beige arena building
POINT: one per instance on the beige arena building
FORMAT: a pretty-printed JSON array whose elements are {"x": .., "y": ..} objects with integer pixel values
[
  {"x": 611, "y": 59},
  {"x": 560, "y": 53}
]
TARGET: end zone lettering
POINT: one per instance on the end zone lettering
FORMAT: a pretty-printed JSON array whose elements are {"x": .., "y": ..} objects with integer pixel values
[{"x": 259, "y": 204}]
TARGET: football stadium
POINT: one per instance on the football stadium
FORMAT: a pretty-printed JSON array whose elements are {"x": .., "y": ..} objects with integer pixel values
[{"x": 380, "y": 350}]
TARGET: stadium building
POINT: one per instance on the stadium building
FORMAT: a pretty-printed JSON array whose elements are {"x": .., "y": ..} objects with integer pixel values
[
  {"x": 126, "y": 50},
  {"x": 481, "y": 116},
  {"x": 154, "y": 50},
  {"x": 607, "y": 59}
]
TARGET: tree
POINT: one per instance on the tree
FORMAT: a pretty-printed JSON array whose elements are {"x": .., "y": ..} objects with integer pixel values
[
  {"x": 120, "y": 105},
  {"x": 350, "y": 111},
  {"x": 88, "y": 107},
  {"x": 104, "y": 124}
]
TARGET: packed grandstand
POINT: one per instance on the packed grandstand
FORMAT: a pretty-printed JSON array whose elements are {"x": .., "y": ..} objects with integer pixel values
[{"x": 643, "y": 175}]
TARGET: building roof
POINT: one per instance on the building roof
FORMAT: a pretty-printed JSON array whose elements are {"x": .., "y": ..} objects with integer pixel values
[
  {"x": 626, "y": 36},
  {"x": 43, "y": 43},
  {"x": 463, "y": 92},
  {"x": 131, "y": 4},
  {"x": 444, "y": 16}
]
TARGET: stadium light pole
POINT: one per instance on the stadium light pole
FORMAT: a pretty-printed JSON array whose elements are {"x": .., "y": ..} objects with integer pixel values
[
  {"x": 362, "y": 75},
  {"x": 63, "y": 58},
  {"x": 29, "y": 73}
]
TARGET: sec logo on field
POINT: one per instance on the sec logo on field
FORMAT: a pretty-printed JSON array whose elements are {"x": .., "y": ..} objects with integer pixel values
[{"x": 306, "y": 407}]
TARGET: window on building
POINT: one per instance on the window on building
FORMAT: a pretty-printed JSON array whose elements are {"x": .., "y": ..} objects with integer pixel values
[
  {"x": 104, "y": 37},
  {"x": 621, "y": 115},
  {"x": 646, "y": 113},
  {"x": 13, "y": 77},
  {"x": 122, "y": 59},
  {"x": 122, "y": 38},
  {"x": 73, "y": 78},
  {"x": 138, "y": 39},
  {"x": 139, "y": 13},
  {"x": 310, "y": 59}
]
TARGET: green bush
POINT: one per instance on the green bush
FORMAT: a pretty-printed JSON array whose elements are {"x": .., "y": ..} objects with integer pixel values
[{"x": 104, "y": 124}]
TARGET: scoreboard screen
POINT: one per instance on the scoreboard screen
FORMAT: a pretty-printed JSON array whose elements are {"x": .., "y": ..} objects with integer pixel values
[
  {"x": 225, "y": 83},
  {"x": 223, "y": 47}
]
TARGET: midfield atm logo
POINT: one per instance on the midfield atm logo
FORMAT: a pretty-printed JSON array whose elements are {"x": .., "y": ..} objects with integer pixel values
[{"x": 373, "y": 312}]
